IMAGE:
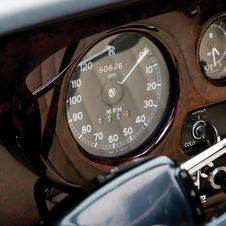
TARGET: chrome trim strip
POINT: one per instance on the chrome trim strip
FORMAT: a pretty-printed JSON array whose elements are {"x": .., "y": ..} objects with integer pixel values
[{"x": 207, "y": 156}]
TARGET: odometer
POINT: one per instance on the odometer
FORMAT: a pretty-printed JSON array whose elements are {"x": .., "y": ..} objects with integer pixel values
[{"x": 118, "y": 95}]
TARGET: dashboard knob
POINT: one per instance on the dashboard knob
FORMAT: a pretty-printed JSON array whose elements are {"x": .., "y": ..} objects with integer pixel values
[
  {"x": 207, "y": 131},
  {"x": 220, "y": 179}
]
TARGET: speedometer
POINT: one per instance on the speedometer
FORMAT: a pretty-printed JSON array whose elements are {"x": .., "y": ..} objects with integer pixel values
[{"x": 118, "y": 96}]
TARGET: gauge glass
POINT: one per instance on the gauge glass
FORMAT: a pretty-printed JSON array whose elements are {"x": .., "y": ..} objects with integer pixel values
[
  {"x": 118, "y": 96},
  {"x": 213, "y": 50}
]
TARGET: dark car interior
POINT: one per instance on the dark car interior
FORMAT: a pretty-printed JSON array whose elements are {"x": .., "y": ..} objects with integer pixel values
[{"x": 113, "y": 112}]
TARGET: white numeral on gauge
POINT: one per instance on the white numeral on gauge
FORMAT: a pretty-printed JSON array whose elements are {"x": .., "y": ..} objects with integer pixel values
[
  {"x": 86, "y": 129},
  {"x": 86, "y": 66},
  {"x": 127, "y": 131},
  {"x": 75, "y": 99},
  {"x": 76, "y": 83},
  {"x": 148, "y": 103},
  {"x": 77, "y": 116},
  {"x": 98, "y": 136},
  {"x": 149, "y": 69},
  {"x": 113, "y": 138},
  {"x": 151, "y": 86},
  {"x": 140, "y": 119}
]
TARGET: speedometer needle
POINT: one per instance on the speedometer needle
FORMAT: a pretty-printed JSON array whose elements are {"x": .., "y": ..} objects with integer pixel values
[
  {"x": 214, "y": 50},
  {"x": 138, "y": 61}
]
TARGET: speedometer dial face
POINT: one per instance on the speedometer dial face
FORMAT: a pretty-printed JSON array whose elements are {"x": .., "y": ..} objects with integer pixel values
[{"x": 118, "y": 96}]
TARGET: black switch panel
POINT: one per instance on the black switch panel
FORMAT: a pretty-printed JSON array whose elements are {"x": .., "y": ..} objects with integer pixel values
[{"x": 216, "y": 114}]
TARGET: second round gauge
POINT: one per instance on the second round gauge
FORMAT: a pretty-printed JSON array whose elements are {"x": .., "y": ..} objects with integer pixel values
[
  {"x": 118, "y": 96},
  {"x": 213, "y": 50}
]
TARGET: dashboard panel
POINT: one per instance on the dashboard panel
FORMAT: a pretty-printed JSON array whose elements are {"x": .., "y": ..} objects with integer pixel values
[{"x": 40, "y": 127}]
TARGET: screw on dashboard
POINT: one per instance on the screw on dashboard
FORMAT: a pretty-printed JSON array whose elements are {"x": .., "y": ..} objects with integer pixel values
[{"x": 193, "y": 11}]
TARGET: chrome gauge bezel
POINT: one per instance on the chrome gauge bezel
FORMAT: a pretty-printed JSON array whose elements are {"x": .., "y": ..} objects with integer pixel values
[
  {"x": 161, "y": 131},
  {"x": 214, "y": 77}
]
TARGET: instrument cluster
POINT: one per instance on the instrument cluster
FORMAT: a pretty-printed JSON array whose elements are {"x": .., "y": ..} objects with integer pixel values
[{"x": 121, "y": 94}]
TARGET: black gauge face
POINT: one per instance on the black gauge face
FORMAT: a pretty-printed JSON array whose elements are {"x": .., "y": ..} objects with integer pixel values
[
  {"x": 213, "y": 50},
  {"x": 118, "y": 95}
]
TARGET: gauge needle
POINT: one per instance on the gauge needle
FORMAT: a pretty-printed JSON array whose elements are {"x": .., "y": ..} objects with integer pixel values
[
  {"x": 138, "y": 61},
  {"x": 214, "y": 50}
]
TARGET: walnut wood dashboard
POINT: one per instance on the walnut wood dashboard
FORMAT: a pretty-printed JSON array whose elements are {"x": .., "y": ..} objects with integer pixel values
[{"x": 35, "y": 126}]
